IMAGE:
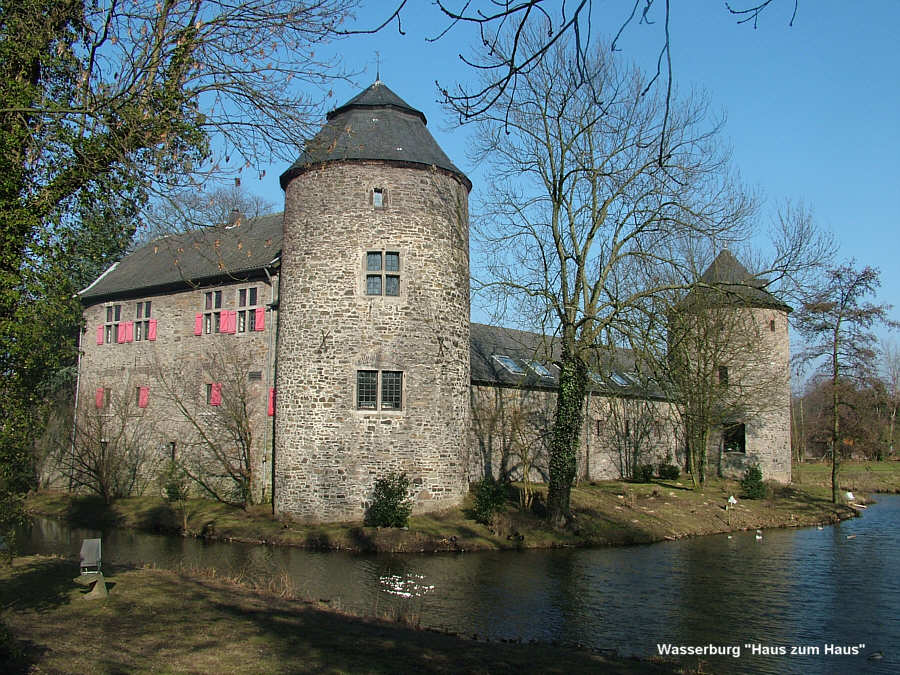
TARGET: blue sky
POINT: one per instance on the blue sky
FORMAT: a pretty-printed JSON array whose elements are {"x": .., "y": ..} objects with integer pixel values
[{"x": 813, "y": 110}]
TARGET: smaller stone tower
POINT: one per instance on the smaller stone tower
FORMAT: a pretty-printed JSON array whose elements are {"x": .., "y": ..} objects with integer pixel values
[
  {"x": 373, "y": 343},
  {"x": 745, "y": 346}
]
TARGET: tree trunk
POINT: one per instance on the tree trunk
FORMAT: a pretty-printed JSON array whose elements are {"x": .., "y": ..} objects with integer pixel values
[
  {"x": 565, "y": 437},
  {"x": 835, "y": 425}
]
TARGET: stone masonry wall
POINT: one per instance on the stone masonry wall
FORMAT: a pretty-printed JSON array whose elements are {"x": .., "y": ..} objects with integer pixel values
[
  {"x": 176, "y": 368},
  {"x": 510, "y": 430},
  {"x": 765, "y": 376},
  {"x": 328, "y": 452}
]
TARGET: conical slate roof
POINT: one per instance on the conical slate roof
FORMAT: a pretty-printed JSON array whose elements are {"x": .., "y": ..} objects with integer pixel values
[
  {"x": 727, "y": 281},
  {"x": 376, "y": 124}
]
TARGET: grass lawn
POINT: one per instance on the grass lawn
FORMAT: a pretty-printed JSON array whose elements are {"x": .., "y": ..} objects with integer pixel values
[
  {"x": 607, "y": 513},
  {"x": 157, "y": 621}
]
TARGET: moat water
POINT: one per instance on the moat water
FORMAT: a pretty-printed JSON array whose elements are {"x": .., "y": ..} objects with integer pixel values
[{"x": 821, "y": 594}]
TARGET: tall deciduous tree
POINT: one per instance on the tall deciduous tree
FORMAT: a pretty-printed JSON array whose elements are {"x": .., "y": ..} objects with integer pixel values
[
  {"x": 581, "y": 217},
  {"x": 837, "y": 322}
]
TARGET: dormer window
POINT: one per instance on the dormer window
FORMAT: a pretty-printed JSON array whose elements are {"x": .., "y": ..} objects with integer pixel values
[
  {"x": 509, "y": 363},
  {"x": 620, "y": 379},
  {"x": 539, "y": 368}
]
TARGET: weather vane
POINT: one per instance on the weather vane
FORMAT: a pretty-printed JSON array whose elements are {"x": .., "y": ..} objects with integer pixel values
[{"x": 377, "y": 66}]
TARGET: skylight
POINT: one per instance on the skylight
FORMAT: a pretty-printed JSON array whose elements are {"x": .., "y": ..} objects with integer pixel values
[
  {"x": 510, "y": 364},
  {"x": 539, "y": 368},
  {"x": 597, "y": 379},
  {"x": 620, "y": 379}
]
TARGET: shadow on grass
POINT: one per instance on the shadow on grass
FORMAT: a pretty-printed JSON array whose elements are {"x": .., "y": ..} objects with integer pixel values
[
  {"x": 92, "y": 512},
  {"x": 46, "y": 584},
  {"x": 160, "y": 519},
  {"x": 335, "y": 642}
]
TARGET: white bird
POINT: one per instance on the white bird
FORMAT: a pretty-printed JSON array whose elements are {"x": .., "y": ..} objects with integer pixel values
[
  {"x": 758, "y": 536},
  {"x": 850, "y": 496}
]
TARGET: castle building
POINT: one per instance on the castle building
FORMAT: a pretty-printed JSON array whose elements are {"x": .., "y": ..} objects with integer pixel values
[{"x": 301, "y": 356}]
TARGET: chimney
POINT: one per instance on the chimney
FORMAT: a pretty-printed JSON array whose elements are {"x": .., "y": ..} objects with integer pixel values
[{"x": 235, "y": 218}]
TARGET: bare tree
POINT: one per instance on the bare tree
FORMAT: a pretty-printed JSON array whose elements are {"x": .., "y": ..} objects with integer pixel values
[
  {"x": 549, "y": 23},
  {"x": 632, "y": 423},
  {"x": 218, "y": 409},
  {"x": 719, "y": 369},
  {"x": 890, "y": 355},
  {"x": 114, "y": 451},
  {"x": 837, "y": 323},
  {"x": 193, "y": 209},
  {"x": 581, "y": 217}
]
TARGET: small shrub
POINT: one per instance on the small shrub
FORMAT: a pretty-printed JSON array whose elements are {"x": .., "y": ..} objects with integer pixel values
[
  {"x": 391, "y": 504},
  {"x": 642, "y": 473},
  {"x": 489, "y": 497},
  {"x": 175, "y": 483},
  {"x": 752, "y": 483},
  {"x": 669, "y": 472}
]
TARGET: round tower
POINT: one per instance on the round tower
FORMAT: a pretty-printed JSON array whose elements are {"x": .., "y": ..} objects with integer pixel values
[
  {"x": 373, "y": 341},
  {"x": 734, "y": 333}
]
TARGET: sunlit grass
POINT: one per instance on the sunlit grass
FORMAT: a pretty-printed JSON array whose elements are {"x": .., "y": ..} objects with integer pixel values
[{"x": 606, "y": 513}]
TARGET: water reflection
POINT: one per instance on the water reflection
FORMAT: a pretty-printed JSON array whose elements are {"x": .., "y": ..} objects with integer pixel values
[{"x": 792, "y": 588}]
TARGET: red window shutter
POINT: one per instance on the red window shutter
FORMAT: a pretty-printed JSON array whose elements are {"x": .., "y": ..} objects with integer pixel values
[
  {"x": 225, "y": 322},
  {"x": 129, "y": 331},
  {"x": 143, "y": 397},
  {"x": 215, "y": 396},
  {"x": 232, "y": 322},
  {"x": 271, "y": 401},
  {"x": 260, "y": 318},
  {"x": 198, "y": 324},
  {"x": 99, "y": 335},
  {"x": 120, "y": 333},
  {"x": 151, "y": 330},
  {"x": 98, "y": 397}
]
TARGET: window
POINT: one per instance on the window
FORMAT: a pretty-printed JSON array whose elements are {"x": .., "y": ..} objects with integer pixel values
[
  {"x": 620, "y": 379},
  {"x": 772, "y": 325},
  {"x": 723, "y": 375},
  {"x": 382, "y": 273},
  {"x": 378, "y": 198},
  {"x": 212, "y": 318},
  {"x": 111, "y": 328},
  {"x": 172, "y": 447},
  {"x": 254, "y": 375},
  {"x": 734, "y": 438},
  {"x": 214, "y": 393},
  {"x": 539, "y": 368},
  {"x": 143, "y": 330},
  {"x": 141, "y": 396},
  {"x": 509, "y": 363},
  {"x": 373, "y": 386},
  {"x": 247, "y": 309}
]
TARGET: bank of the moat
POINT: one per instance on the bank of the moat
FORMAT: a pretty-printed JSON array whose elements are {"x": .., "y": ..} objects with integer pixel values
[{"x": 609, "y": 513}]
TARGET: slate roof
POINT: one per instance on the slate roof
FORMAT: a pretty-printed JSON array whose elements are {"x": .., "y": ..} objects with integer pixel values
[
  {"x": 614, "y": 374},
  {"x": 376, "y": 124},
  {"x": 195, "y": 257},
  {"x": 728, "y": 282}
]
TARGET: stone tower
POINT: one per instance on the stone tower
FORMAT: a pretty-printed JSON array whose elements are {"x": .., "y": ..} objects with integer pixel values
[
  {"x": 373, "y": 337},
  {"x": 746, "y": 346}
]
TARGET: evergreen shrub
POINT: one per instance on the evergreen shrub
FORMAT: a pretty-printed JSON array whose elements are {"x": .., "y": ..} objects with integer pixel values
[
  {"x": 752, "y": 483},
  {"x": 642, "y": 473},
  {"x": 489, "y": 495},
  {"x": 391, "y": 504},
  {"x": 669, "y": 472}
]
